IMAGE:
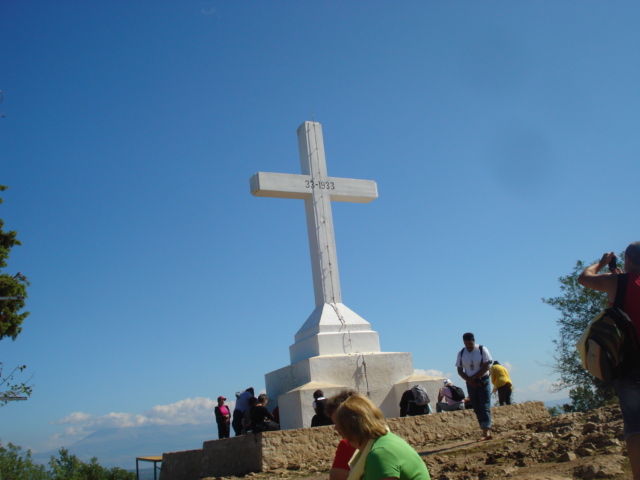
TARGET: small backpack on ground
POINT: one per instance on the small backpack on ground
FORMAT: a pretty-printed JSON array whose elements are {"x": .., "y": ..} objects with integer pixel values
[
  {"x": 420, "y": 396},
  {"x": 457, "y": 394},
  {"x": 609, "y": 346}
]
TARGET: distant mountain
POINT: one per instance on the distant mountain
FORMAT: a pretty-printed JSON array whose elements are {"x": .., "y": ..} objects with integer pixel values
[
  {"x": 119, "y": 447},
  {"x": 557, "y": 403}
]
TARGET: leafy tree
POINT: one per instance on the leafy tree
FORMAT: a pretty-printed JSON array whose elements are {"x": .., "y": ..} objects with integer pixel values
[
  {"x": 69, "y": 467},
  {"x": 66, "y": 467},
  {"x": 13, "y": 291},
  {"x": 554, "y": 411},
  {"x": 577, "y": 306},
  {"x": 14, "y": 465},
  {"x": 13, "y": 287},
  {"x": 13, "y": 390}
]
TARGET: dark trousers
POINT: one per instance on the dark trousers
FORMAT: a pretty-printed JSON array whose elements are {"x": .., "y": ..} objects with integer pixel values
[
  {"x": 504, "y": 394},
  {"x": 223, "y": 430},
  {"x": 237, "y": 422}
]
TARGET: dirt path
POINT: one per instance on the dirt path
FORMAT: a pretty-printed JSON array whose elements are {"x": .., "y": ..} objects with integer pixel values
[{"x": 572, "y": 446}]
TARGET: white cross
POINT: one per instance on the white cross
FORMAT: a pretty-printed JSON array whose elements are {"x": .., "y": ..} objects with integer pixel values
[{"x": 317, "y": 190}]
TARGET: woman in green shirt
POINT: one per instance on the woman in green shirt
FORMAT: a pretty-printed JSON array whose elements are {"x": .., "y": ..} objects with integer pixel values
[{"x": 381, "y": 454}]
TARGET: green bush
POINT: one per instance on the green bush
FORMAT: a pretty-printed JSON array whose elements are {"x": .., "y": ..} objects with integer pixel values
[
  {"x": 16, "y": 465},
  {"x": 69, "y": 467}
]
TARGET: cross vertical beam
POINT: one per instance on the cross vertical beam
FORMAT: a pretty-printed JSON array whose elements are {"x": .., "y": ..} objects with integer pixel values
[{"x": 322, "y": 243}]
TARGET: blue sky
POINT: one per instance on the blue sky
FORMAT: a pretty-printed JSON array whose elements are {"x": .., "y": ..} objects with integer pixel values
[{"x": 502, "y": 135}]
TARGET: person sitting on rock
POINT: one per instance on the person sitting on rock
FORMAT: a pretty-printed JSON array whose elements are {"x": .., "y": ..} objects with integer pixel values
[
  {"x": 261, "y": 418},
  {"x": 446, "y": 393},
  {"x": 409, "y": 406},
  {"x": 318, "y": 396},
  {"x": 321, "y": 419},
  {"x": 381, "y": 454},
  {"x": 340, "y": 467}
]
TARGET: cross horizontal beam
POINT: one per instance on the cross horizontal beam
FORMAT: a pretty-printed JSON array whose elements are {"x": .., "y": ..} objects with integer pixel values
[{"x": 288, "y": 185}]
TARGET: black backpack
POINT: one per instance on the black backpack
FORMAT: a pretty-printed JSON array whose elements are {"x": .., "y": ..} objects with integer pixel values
[{"x": 457, "y": 394}]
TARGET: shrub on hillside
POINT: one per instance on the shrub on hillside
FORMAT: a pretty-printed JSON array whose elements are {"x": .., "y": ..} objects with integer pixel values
[{"x": 16, "y": 465}]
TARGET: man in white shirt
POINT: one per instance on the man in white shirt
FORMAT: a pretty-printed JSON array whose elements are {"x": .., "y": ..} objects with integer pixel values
[{"x": 473, "y": 364}]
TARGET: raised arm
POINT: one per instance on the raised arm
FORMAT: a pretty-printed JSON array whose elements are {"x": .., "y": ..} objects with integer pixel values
[{"x": 602, "y": 282}]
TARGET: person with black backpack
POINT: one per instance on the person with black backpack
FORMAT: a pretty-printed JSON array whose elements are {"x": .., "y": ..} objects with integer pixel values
[
  {"x": 623, "y": 291},
  {"x": 453, "y": 398},
  {"x": 473, "y": 364},
  {"x": 415, "y": 401}
]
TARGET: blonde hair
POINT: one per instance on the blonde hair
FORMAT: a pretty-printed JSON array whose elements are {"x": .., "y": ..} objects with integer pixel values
[{"x": 359, "y": 420}]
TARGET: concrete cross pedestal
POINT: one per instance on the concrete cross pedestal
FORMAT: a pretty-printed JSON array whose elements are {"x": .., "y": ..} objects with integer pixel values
[{"x": 335, "y": 348}]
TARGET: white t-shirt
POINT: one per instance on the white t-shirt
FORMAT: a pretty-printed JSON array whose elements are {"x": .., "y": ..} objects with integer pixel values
[{"x": 471, "y": 361}]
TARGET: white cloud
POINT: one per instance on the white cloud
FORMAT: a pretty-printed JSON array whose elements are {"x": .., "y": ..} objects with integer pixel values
[
  {"x": 197, "y": 410},
  {"x": 510, "y": 368},
  {"x": 91, "y": 423},
  {"x": 190, "y": 410},
  {"x": 433, "y": 373},
  {"x": 75, "y": 417},
  {"x": 540, "y": 390},
  {"x": 71, "y": 432}
]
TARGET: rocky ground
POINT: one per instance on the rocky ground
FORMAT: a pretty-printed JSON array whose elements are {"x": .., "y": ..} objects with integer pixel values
[{"x": 583, "y": 446}]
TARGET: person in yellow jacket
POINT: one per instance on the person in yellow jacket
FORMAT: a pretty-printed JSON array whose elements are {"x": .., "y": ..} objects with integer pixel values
[{"x": 502, "y": 383}]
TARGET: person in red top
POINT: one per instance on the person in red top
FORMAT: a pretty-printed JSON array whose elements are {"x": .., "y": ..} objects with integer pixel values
[
  {"x": 223, "y": 418},
  {"x": 340, "y": 468},
  {"x": 627, "y": 388}
]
